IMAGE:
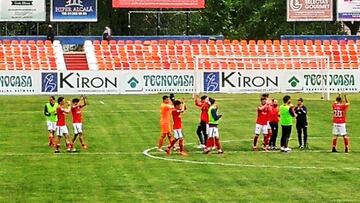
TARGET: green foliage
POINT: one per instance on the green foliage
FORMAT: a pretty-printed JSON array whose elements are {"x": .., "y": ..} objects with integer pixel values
[{"x": 245, "y": 19}]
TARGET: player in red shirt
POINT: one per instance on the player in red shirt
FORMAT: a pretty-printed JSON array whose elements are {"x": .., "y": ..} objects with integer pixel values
[
  {"x": 202, "y": 130},
  {"x": 262, "y": 124},
  {"x": 177, "y": 127},
  {"x": 274, "y": 123},
  {"x": 61, "y": 129},
  {"x": 339, "y": 122},
  {"x": 77, "y": 105}
]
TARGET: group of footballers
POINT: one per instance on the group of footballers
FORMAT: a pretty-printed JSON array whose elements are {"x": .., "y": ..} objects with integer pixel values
[
  {"x": 55, "y": 113},
  {"x": 269, "y": 115},
  {"x": 208, "y": 132}
]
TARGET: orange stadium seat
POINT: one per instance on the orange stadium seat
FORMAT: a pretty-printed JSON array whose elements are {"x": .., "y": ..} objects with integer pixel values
[
  {"x": 20, "y": 55},
  {"x": 179, "y": 55}
]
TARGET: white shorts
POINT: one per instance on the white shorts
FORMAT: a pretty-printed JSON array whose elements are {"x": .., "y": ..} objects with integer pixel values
[
  {"x": 214, "y": 132},
  {"x": 178, "y": 133},
  {"x": 51, "y": 126},
  {"x": 77, "y": 128},
  {"x": 268, "y": 126},
  {"x": 61, "y": 130},
  {"x": 261, "y": 128},
  {"x": 339, "y": 129}
]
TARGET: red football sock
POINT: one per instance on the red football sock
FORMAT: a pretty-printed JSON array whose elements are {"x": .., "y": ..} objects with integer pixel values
[
  {"x": 170, "y": 138},
  {"x": 210, "y": 143},
  {"x": 255, "y": 140},
  {"x": 217, "y": 143},
  {"x": 172, "y": 143},
  {"x": 346, "y": 141},
  {"x": 269, "y": 134},
  {"x": 266, "y": 140},
  {"x": 181, "y": 144},
  {"x": 334, "y": 142}
]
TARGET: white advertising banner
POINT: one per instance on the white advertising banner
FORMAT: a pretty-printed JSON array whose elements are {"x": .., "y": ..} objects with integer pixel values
[
  {"x": 251, "y": 81},
  {"x": 136, "y": 82},
  {"x": 81, "y": 82},
  {"x": 348, "y": 10},
  {"x": 19, "y": 83},
  {"x": 147, "y": 82},
  {"x": 22, "y": 10}
]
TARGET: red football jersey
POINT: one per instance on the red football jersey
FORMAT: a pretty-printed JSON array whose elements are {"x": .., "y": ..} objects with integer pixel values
[
  {"x": 339, "y": 115},
  {"x": 274, "y": 115},
  {"x": 269, "y": 107},
  {"x": 176, "y": 114},
  {"x": 76, "y": 114},
  {"x": 262, "y": 117},
  {"x": 204, "y": 116},
  {"x": 60, "y": 111}
]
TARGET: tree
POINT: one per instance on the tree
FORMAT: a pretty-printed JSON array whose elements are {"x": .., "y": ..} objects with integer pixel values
[{"x": 353, "y": 26}]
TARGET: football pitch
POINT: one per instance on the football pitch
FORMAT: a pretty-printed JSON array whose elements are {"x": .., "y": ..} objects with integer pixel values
[{"x": 119, "y": 129}]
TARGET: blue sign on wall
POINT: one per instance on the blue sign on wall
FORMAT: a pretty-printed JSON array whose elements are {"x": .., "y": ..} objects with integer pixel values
[{"x": 73, "y": 11}]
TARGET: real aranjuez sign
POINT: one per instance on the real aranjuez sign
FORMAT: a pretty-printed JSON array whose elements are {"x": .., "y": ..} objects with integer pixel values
[{"x": 146, "y": 82}]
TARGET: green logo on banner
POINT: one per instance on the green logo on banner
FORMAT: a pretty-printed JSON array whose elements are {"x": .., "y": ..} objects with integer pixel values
[
  {"x": 133, "y": 82},
  {"x": 293, "y": 81}
]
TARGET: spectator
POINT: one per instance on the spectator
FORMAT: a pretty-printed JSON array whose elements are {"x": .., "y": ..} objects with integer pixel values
[
  {"x": 50, "y": 34},
  {"x": 107, "y": 34}
]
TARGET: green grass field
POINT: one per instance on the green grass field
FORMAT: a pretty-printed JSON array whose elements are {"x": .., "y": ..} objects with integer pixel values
[{"x": 114, "y": 168}]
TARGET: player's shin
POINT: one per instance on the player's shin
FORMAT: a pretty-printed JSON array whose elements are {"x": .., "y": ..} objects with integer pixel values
[
  {"x": 217, "y": 143},
  {"x": 181, "y": 144},
  {"x": 199, "y": 134},
  {"x": 74, "y": 138},
  {"x": 256, "y": 137},
  {"x": 346, "y": 143},
  {"x": 266, "y": 141},
  {"x": 161, "y": 140},
  {"x": 209, "y": 143}
]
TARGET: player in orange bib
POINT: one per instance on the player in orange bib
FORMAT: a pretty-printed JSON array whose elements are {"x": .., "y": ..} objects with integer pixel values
[{"x": 166, "y": 109}]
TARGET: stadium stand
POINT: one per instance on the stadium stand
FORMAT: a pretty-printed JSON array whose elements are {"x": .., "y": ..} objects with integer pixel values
[
  {"x": 28, "y": 55},
  {"x": 179, "y": 54}
]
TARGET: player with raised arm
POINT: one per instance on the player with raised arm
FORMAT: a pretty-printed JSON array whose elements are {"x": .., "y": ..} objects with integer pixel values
[
  {"x": 202, "y": 130},
  {"x": 61, "y": 128},
  {"x": 262, "y": 124},
  {"x": 51, "y": 119},
  {"x": 77, "y": 105},
  {"x": 177, "y": 127},
  {"x": 166, "y": 109},
  {"x": 339, "y": 122},
  {"x": 213, "y": 138}
]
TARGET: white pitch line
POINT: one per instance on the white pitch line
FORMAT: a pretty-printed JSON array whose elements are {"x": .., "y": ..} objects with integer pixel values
[
  {"x": 147, "y": 153},
  {"x": 70, "y": 153}
]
